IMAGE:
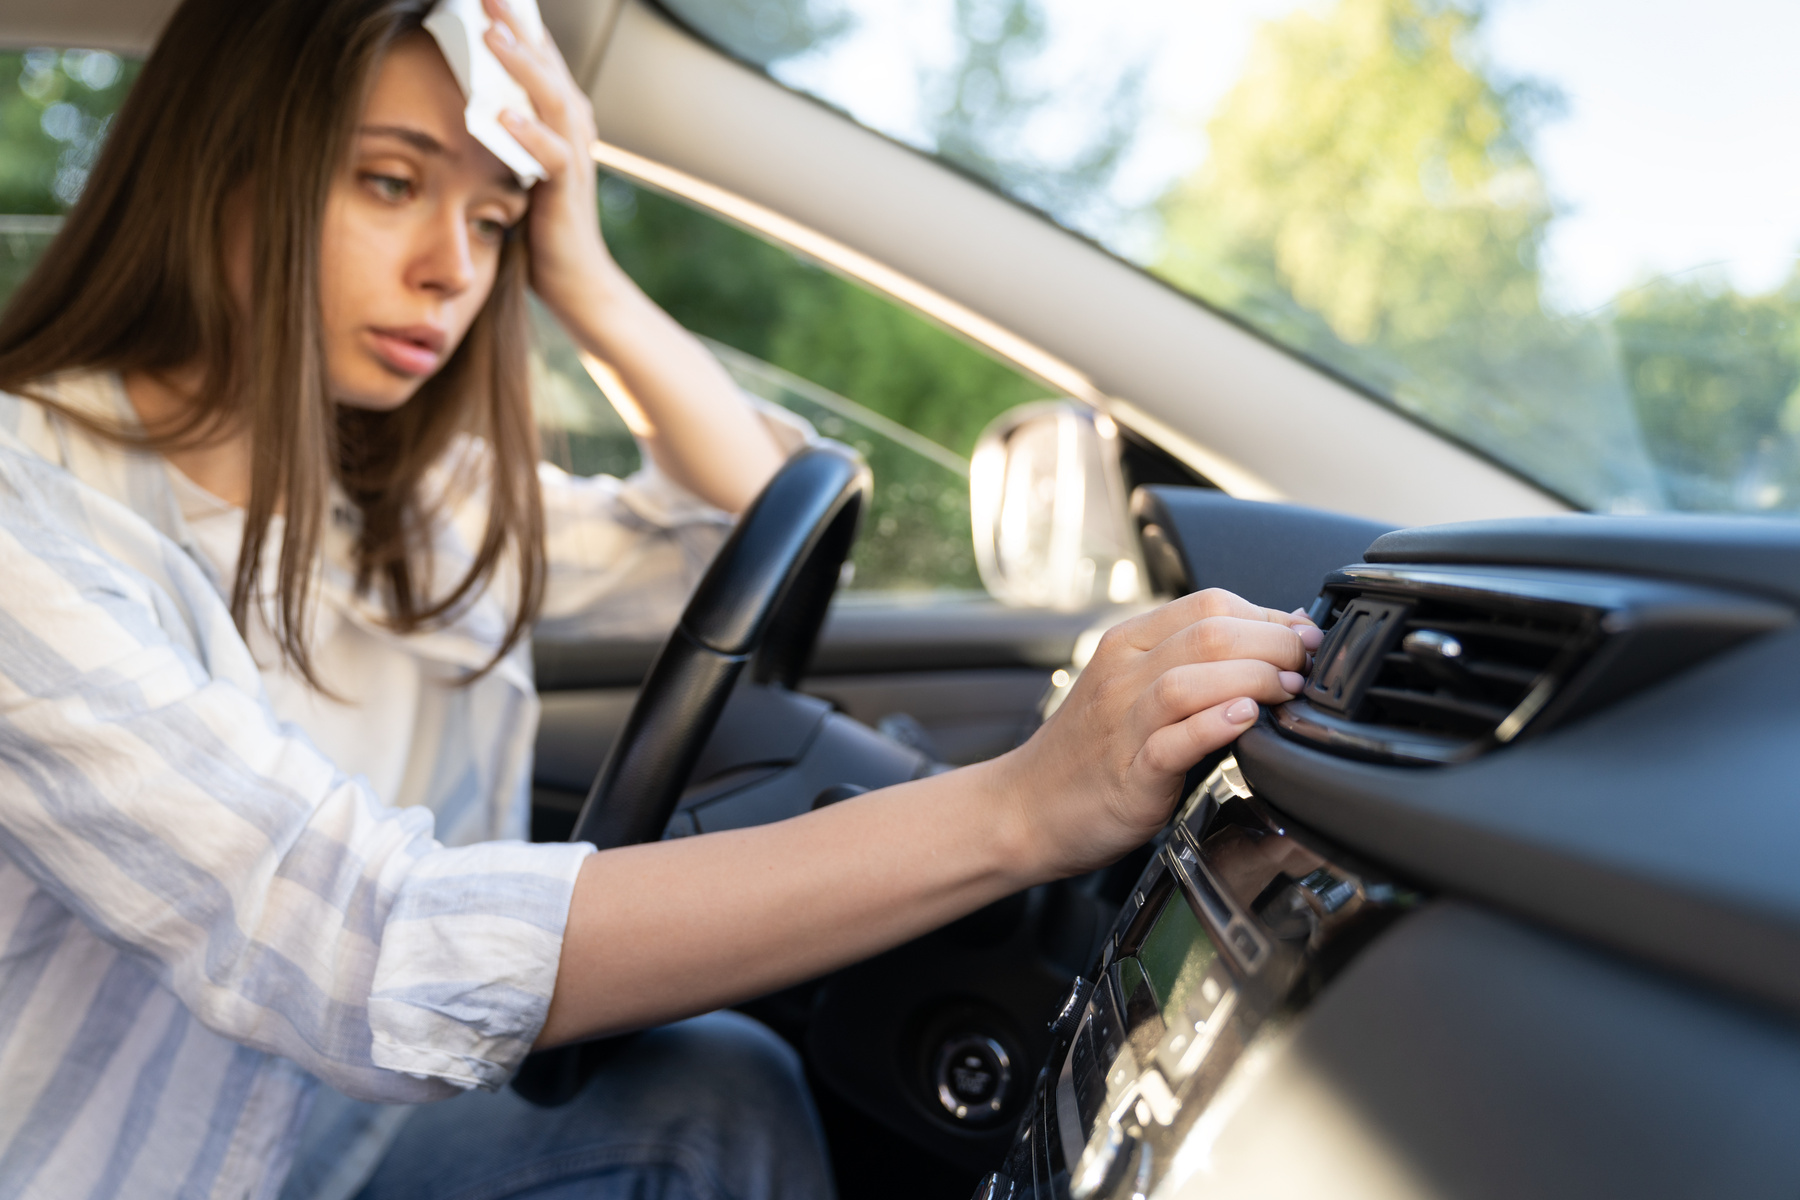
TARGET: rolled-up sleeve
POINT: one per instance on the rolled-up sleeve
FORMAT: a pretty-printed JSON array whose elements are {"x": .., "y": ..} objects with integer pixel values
[
  {"x": 146, "y": 786},
  {"x": 625, "y": 553}
]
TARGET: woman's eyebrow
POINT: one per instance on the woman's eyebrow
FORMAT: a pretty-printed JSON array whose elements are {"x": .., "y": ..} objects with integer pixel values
[
  {"x": 418, "y": 139},
  {"x": 423, "y": 142}
]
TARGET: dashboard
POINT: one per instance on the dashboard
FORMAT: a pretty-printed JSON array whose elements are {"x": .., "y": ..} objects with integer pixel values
[{"x": 1504, "y": 904}]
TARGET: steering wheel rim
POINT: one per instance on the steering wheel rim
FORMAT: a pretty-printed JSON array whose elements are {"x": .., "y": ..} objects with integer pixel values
[{"x": 759, "y": 606}]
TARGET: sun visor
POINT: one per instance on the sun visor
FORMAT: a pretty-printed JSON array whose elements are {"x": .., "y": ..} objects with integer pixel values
[{"x": 459, "y": 27}]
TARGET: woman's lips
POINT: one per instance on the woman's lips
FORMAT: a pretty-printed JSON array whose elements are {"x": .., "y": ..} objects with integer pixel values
[{"x": 410, "y": 351}]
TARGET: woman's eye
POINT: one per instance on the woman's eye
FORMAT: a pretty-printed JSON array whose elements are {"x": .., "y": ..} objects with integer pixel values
[
  {"x": 388, "y": 187},
  {"x": 490, "y": 230}
]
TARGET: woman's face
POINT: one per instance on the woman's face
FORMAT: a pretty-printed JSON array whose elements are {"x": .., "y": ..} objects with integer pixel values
[{"x": 412, "y": 235}]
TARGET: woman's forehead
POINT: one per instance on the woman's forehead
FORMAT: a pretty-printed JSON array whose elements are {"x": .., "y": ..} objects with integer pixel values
[{"x": 415, "y": 99}]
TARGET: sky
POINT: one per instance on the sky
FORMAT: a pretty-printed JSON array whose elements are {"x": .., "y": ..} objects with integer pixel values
[
  {"x": 1681, "y": 145},
  {"x": 1673, "y": 152}
]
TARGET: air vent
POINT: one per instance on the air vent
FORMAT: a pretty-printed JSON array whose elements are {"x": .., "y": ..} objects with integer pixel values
[{"x": 1438, "y": 665}]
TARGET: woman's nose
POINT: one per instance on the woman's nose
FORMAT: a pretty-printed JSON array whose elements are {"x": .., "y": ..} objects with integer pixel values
[{"x": 445, "y": 262}]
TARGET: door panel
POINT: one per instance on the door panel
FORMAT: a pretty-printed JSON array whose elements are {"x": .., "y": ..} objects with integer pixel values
[{"x": 959, "y": 679}]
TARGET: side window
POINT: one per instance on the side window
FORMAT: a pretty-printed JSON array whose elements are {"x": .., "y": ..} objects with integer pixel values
[
  {"x": 55, "y": 108},
  {"x": 909, "y": 395}
]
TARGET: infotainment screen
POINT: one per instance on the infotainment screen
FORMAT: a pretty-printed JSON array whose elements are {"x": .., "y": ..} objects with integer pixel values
[{"x": 1175, "y": 955}]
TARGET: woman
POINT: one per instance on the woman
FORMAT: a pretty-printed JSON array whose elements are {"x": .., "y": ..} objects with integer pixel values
[{"x": 272, "y": 537}]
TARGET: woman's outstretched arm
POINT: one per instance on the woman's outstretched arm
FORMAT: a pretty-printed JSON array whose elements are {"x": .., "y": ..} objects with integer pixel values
[
  {"x": 668, "y": 929},
  {"x": 691, "y": 416}
]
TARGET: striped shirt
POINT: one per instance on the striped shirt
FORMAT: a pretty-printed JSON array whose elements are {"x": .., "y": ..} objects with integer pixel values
[{"x": 202, "y": 915}]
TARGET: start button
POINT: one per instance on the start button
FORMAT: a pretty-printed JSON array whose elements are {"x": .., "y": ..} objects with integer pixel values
[{"x": 973, "y": 1072}]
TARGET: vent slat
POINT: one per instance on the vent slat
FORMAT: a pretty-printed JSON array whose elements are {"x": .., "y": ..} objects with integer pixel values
[
  {"x": 1508, "y": 674},
  {"x": 1439, "y": 702},
  {"x": 1504, "y": 652},
  {"x": 1495, "y": 628}
]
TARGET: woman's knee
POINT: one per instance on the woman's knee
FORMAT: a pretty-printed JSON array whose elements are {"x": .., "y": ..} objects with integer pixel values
[
  {"x": 723, "y": 1065},
  {"x": 728, "y": 1088}
]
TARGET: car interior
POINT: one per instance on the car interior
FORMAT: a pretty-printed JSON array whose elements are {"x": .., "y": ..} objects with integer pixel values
[{"x": 1503, "y": 904}]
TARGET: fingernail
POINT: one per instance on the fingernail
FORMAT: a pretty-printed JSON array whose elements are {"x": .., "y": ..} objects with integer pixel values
[
  {"x": 1241, "y": 711},
  {"x": 1311, "y": 636},
  {"x": 501, "y": 32},
  {"x": 1291, "y": 681}
]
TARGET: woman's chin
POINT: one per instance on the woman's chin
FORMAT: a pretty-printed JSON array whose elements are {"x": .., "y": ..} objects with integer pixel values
[{"x": 376, "y": 392}]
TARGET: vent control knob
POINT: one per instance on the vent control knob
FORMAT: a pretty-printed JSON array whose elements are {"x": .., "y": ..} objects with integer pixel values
[
  {"x": 1440, "y": 654},
  {"x": 1427, "y": 645}
]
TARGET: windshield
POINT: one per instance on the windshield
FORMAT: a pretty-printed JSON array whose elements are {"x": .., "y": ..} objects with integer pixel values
[{"x": 1562, "y": 231}]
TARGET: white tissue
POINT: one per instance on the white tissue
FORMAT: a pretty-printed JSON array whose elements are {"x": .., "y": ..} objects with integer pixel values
[{"x": 459, "y": 27}]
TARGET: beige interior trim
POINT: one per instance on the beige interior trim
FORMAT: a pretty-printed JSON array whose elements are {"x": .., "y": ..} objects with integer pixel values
[
  {"x": 1033, "y": 360},
  {"x": 125, "y": 26},
  {"x": 581, "y": 30},
  {"x": 1243, "y": 404},
  {"x": 835, "y": 254}
]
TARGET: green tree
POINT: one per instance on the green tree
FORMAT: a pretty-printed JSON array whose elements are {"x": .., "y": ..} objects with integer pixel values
[
  {"x": 1373, "y": 172},
  {"x": 55, "y": 109},
  {"x": 734, "y": 287},
  {"x": 1714, "y": 377},
  {"x": 737, "y": 289},
  {"x": 1369, "y": 198}
]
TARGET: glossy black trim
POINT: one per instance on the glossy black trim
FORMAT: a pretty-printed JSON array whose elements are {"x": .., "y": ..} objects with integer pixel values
[
  {"x": 1412, "y": 747},
  {"x": 1282, "y": 913},
  {"x": 1754, "y": 553}
]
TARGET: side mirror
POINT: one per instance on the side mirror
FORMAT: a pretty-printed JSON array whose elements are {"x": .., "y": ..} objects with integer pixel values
[{"x": 1048, "y": 502}]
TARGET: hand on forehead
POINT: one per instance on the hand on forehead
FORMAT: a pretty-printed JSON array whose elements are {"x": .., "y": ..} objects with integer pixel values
[{"x": 460, "y": 28}]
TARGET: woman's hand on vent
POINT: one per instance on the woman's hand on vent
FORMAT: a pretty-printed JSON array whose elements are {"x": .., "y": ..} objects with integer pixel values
[{"x": 1162, "y": 691}]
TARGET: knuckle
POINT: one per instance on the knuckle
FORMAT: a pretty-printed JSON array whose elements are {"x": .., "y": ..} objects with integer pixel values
[
  {"x": 1111, "y": 642},
  {"x": 1216, "y": 600},
  {"x": 1214, "y": 638},
  {"x": 1167, "y": 691}
]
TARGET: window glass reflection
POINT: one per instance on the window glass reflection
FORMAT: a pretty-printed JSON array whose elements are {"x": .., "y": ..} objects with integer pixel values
[{"x": 1579, "y": 260}]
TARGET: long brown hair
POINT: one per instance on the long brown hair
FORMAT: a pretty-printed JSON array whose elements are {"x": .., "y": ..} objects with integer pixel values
[{"x": 254, "y": 103}]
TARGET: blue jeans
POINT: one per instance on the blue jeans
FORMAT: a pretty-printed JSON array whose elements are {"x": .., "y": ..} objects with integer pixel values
[{"x": 715, "y": 1108}]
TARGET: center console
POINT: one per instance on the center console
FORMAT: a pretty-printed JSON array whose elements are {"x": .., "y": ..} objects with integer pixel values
[{"x": 1236, "y": 921}]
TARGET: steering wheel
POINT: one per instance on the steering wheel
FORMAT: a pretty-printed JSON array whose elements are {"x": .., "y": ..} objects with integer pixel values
[{"x": 759, "y": 606}]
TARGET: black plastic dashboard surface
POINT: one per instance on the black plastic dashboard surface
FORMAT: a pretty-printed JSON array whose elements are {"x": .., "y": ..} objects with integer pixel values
[
  {"x": 1465, "y": 1055},
  {"x": 1667, "y": 825},
  {"x": 1272, "y": 554}
]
